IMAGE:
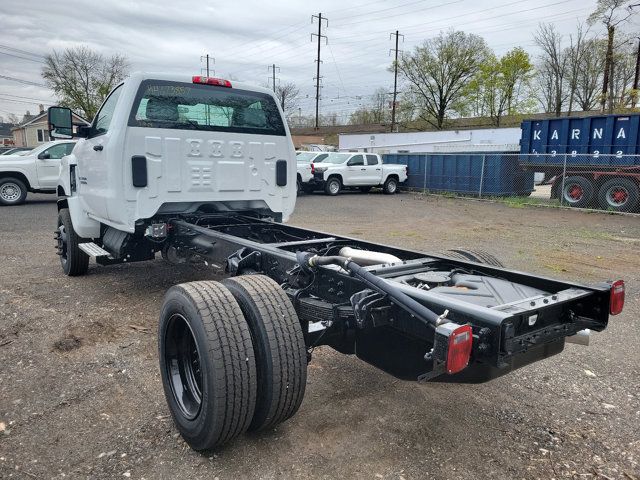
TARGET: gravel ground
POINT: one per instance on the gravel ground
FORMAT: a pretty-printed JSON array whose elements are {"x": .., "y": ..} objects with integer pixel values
[{"x": 80, "y": 393}]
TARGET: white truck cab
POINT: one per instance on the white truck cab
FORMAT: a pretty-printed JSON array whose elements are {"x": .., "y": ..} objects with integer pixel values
[{"x": 164, "y": 145}]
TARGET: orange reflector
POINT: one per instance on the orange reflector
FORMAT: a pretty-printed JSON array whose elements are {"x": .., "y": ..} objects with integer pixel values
[
  {"x": 459, "y": 351},
  {"x": 616, "y": 302}
]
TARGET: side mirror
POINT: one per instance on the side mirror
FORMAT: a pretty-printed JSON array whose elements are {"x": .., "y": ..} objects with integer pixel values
[
  {"x": 44, "y": 156},
  {"x": 60, "y": 122}
]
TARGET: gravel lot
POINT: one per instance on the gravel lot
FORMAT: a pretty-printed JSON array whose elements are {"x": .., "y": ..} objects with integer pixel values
[{"x": 80, "y": 393}]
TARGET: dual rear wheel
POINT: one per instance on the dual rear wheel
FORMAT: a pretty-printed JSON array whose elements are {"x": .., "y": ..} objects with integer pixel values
[
  {"x": 232, "y": 358},
  {"x": 618, "y": 194}
]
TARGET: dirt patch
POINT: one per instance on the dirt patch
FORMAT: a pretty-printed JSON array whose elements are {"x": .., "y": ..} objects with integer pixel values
[{"x": 68, "y": 343}]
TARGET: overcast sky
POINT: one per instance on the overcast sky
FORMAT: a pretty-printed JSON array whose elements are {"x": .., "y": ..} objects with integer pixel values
[{"x": 245, "y": 37}]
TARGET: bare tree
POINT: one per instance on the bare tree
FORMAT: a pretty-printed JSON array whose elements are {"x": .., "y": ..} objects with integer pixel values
[
  {"x": 82, "y": 78},
  {"x": 611, "y": 13},
  {"x": 439, "y": 70},
  {"x": 575, "y": 54},
  {"x": 624, "y": 61},
  {"x": 587, "y": 93},
  {"x": 287, "y": 95},
  {"x": 552, "y": 69},
  {"x": 12, "y": 119}
]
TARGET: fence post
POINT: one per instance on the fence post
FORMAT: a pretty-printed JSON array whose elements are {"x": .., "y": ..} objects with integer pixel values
[
  {"x": 424, "y": 182},
  {"x": 484, "y": 158},
  {"x": 564, "y": 176}
]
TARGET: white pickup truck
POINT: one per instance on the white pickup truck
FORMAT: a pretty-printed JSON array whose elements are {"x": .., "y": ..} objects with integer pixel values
[
  {"x": 36, "y": 171},
  {"x": 357, "y": 170}
]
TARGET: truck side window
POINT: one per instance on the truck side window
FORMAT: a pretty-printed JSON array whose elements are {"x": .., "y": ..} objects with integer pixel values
[
  {"x": 372, "y": 160},
  {"x": 58, "y": 151},
  {"x": 103, "y": 117},
  {"x": 356, "y": 160}
]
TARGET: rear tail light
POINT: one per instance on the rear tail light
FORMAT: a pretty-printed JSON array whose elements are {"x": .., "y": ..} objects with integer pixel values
[
  {"x": 460, "y": 343},
  {"x": 313, "y": 168},
  {"x": 616, "y": 302},
  {"x": 220, "y": 82}
]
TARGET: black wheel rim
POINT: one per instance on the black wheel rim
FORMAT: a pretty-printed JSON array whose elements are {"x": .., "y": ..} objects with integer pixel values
[
  {"x": 62, "y": 243},
  {"x": 183, "y": 367}
]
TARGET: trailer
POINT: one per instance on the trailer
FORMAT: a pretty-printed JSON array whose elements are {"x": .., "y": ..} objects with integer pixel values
[{"x": 589, "y": 161}]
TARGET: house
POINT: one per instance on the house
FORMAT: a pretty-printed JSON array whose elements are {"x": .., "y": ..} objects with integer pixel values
[
  {"x": 34, "y": 129},
  {"x": 6, "y": 138}
]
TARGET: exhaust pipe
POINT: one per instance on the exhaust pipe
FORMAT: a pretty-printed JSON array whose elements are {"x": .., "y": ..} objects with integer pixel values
[
  {"x": 366, "y": 258},
  {"x": 580, "y": 338}
]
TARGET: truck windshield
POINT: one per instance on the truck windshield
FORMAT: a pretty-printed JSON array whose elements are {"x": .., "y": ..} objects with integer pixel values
[
  {"x": 336, "y": 158},
  {"x": 186, "y": 106}
]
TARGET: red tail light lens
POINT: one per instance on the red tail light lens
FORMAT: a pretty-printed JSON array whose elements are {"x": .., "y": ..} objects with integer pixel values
[
  {"x": 616, "y": 302},
  {"x": 220, "y": 82},
  {"x": 313, "y": 168},
  {"x": 459, "y": 351}
]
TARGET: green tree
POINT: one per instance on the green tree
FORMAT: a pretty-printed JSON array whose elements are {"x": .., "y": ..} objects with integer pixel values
[
  {"x": 501, "y": 86},
  {"x": 82, "y": 78},
  {"x": 438, "y": 72}
]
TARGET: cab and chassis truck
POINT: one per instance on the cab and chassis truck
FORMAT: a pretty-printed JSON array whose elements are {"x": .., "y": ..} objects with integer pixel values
[{"x": 200, "y": 169}]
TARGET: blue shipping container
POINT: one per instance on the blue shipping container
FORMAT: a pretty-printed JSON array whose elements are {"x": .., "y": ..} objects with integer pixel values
[
  {"x": 462, "y": 173},
  {"x": 600, "y": 140}
]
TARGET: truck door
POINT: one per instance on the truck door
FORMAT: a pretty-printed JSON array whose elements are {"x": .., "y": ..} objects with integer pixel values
[
  {"x": 48, "y": 164},
  {"x": 355, "y": 173},
  {"x": 92, "y": 154},
  {"x": 373, "y": 170}
]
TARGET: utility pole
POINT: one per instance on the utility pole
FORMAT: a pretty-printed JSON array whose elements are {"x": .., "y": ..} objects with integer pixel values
[
  {"x": 273, "y": 72},
  {"x": 207, "y": 58},
  {"x": 395, "y": 78},
  {"x": 634, "y": 97},
  {"x": 318, "y": 61}
]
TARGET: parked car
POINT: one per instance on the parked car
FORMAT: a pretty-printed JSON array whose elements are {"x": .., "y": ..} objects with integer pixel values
[
  {"x": 31, "y": 171},
  {"x": 306, "y": 161},
  {"x": 357, "y": 170},
  {"x": 16, "y": 150}
]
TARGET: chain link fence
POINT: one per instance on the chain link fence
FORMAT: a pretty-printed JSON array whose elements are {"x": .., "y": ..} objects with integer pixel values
[{"x": 594, "y": 181}]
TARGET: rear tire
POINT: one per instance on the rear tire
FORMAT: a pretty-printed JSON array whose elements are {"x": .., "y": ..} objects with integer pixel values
[
  {"x": 278, "y": 342},
  {"x": 333, "y": 186},
  {"x": 12, "y": 191},
  {"x": 577, "y": 192},
  {"x": 73, "y": 260},
  {"x": 207, "y": 364},
  {"x": 298, "y": 185},
  {"x": 619, "y": 195},
  {"x": 478, "y": 256},
  {"x": 390, "y": 186}
]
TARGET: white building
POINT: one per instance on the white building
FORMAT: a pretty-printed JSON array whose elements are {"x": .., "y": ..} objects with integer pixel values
[{"x": 478, "y": 140}]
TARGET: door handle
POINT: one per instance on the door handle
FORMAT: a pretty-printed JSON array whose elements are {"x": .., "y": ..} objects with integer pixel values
[
  {"x": 98, "y": 148},
  {"x": 363, "y": 169},
  {"x": 377, "y": 169}
]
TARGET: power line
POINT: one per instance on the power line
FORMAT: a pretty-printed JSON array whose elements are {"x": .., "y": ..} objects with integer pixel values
[
  {"x": 21, "y": 57},
  {"x": 24, "y": 82},
  {"x": 24, "y": 52}
]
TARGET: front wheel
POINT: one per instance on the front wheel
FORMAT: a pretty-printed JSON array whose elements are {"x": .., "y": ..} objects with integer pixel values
[
  {"x": 73, "y": 260},
  {"x": 333, "y": 186},
  {"x": 390, "y": 186},
  {"x": 12, "y": 191}
]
